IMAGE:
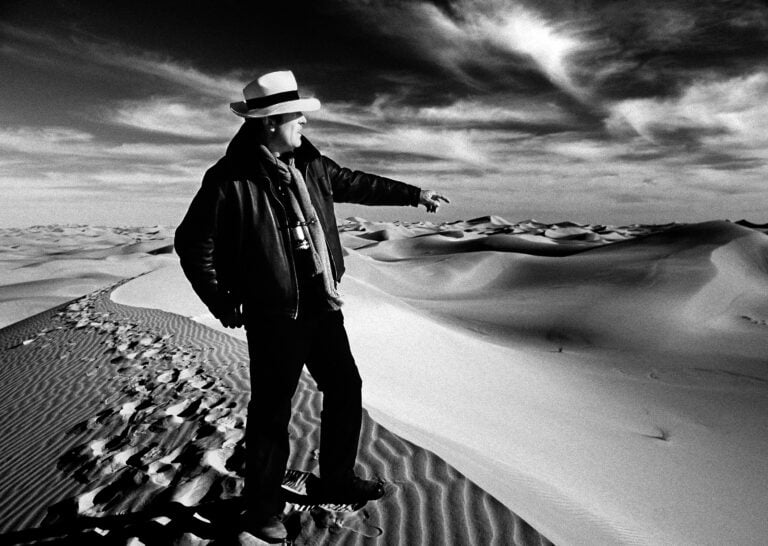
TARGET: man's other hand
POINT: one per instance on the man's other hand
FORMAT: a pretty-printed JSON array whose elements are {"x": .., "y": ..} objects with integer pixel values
[
  {"x": 232, "y": 318},
  {"x": 431, "y": 200}
]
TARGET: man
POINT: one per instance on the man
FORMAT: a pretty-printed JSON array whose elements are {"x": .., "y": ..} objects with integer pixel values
[{"x": 260, "y": 246}]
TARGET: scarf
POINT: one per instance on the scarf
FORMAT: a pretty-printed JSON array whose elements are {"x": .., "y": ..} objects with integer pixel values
[{"x": 303, "y": 211}]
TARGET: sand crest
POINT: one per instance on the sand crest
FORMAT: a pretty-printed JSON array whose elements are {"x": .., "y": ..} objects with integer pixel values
[{"x": 43, "y": 266}]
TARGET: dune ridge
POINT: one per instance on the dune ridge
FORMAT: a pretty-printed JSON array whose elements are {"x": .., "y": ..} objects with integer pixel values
[
  {"x": 44, "y": 266},
  {"x": 642, "y": 355}
]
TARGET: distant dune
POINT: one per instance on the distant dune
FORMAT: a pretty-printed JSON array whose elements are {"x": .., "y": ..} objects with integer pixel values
[{"x": 605, "y": 384}]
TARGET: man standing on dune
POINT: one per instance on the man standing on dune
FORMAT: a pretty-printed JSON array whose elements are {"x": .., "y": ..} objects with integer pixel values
[{"x": 260, "y": 246}]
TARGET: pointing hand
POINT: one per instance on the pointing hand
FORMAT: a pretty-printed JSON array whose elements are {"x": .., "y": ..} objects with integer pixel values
[{"x": 431, "y": 200}]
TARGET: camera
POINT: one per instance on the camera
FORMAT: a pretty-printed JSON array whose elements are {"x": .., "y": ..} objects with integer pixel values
[{"x": 299, "y": 237}]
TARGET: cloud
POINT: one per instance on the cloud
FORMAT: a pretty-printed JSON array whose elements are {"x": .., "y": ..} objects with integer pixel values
[
  {"x": 456, "y": 146},
  {"x": 472, "y": 113},
  {"x": 171, "y": 70},
  {"x": 174, "y": 116},
  {"x": 57, "y": 165},
  {"x": 585, "y": 150},
  {"x": 490, "y": 111},
  {"x": 47, "y": 47},
  {"x": 656, "y": 49},
  {"x": 61, "y": 143},
  {"x": 522, "y": 31},
  {"x": 724, "y": 115},
  {"x": 506, "y": 41},
  {"x": 28, "y": 138},
  {"x": 45, "y": 140}
]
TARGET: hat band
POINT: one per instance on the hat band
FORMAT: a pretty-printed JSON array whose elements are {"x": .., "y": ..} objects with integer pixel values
[{"x": 269, "y": 100}]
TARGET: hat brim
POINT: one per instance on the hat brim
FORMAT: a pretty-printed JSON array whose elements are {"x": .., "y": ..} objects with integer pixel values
[{"x": 300, "y": 105}]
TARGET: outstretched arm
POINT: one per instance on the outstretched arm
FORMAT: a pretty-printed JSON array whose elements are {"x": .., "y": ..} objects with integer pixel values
[{"x": 368, "y": 189}]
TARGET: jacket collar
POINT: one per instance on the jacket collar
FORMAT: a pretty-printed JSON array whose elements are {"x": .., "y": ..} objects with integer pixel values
[
  {"x": 243, "y": 155},
  {"x": 306, "y": 152}
]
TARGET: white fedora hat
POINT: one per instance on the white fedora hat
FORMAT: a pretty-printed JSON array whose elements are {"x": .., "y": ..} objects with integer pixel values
[{"x": 272, "y": 94}]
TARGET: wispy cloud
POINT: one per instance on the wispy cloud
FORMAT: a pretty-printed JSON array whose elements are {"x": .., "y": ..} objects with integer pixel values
[
  {"x": 185, "y": 76},
  {"x": 70, "y": 144},
  {"x": 504, "y": 39},
  {"x": 522, "y": 31},
  {"x": 723, "y": 115},
  {"x": 29, "y": 43},
  {"x": 175, "y": 136},
  {"x": 175, "y": 117},
  {"x": 459, "y": 147},
  {"x": 28, "y": 139},
  {"x": 490, "y": 112}
]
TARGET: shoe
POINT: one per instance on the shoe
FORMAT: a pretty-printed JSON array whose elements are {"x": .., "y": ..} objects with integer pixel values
[
  {"x": 354, "y": 490},
  {"x": 269, "y": 529}
]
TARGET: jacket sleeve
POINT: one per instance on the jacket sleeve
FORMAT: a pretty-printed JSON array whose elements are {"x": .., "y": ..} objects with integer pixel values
[
  {"x": 368, "y": 189},
  {"x": 194, "y": 243}
]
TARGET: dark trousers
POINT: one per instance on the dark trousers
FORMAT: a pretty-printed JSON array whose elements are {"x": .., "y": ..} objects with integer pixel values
[{"x": 278, "y": 349}]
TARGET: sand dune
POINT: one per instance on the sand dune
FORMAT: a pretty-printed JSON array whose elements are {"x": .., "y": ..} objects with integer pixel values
[
  {"x": 126, "y": 424},
  {"x": 619, "y": 390},
  {"x": 607, "y": 384},
  {"x": 43, "y": 266}
]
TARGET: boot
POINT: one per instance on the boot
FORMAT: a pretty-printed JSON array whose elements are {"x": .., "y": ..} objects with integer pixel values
[{"x": 348, "y": 491}]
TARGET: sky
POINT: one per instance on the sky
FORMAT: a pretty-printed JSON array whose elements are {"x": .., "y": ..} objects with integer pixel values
[{"x": 603, "y": 112}]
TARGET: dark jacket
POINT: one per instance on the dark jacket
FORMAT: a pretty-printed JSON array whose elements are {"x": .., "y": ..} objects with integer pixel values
[{"x": 233, "y": 244}]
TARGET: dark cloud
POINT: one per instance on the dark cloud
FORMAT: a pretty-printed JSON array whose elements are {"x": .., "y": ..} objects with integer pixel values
[
  {"x": 729, "y": 162},
  {"x": 644, "y": 155},
  {"x": 687, "y": 138},
  {"x": 656, "y": 48}
]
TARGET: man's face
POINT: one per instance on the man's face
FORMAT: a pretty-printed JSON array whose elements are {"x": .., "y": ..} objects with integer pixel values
[{"x": 287, "y": 135}]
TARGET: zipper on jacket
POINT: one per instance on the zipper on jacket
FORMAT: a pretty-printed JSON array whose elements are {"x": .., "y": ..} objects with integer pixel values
[{"x": 289, "y": 253}]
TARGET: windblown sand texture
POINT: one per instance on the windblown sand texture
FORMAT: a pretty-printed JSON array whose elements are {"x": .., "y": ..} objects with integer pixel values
[
  {"x": 605, "y": 384},
  {"x": 146, "y": 432}
]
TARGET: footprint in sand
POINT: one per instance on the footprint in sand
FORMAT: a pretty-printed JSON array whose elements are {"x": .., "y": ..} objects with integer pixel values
[
  {"x": 167, "y": 377},
  {"x": 338, "y": 520},
  {"x": 163, "y": 475},
  {"x": 188, "y": 372},
  {"x": 128, "y": 409},
  {"x": 144, "y": 456},
  {"x": 176, "y": 410},
  {"x": 201, "y": 382},
  {"x": 119, "y": 460},
  {"x": 191, "y": 409},
  {"x": 756, "y": 322},
  {"x": 97, "y": 446},
  {"x": 128, "y": 460},
  {"x": 163, "y": 470}
]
